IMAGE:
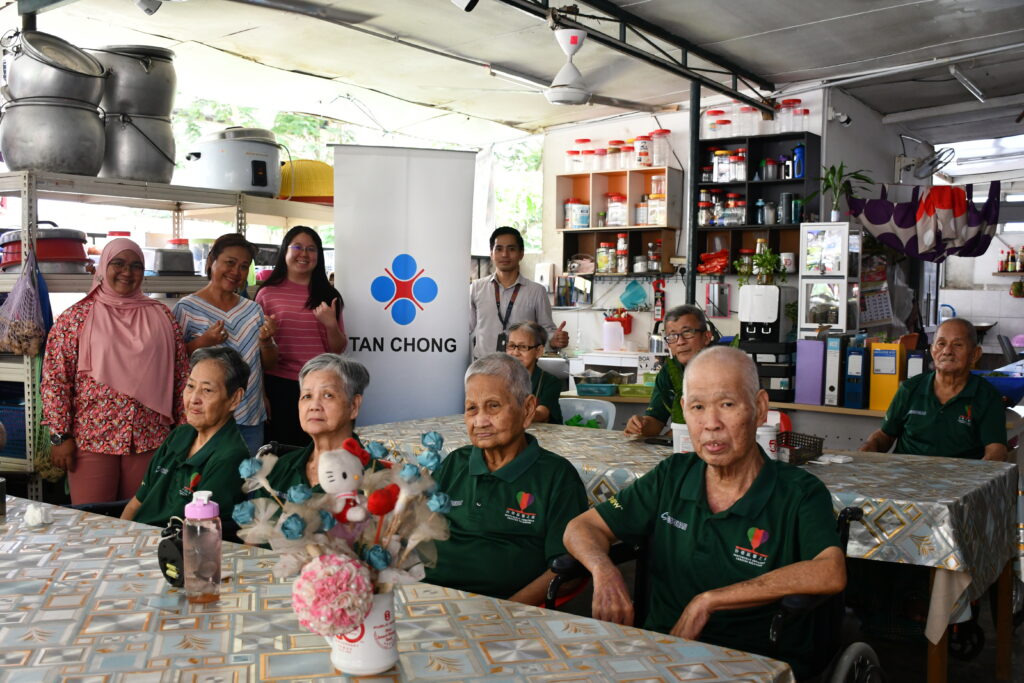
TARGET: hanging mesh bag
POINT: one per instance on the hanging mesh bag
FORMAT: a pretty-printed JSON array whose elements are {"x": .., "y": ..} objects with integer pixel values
[{"x": 21, "y": 318}]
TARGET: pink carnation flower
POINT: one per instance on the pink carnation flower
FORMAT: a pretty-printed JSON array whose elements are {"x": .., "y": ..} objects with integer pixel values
[{"x": 332, "y": 595}]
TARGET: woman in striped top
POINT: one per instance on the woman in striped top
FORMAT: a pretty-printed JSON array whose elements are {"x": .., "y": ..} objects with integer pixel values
[
  {"x": 308, "y": 312},
  {"x": 216, "y": 315}
]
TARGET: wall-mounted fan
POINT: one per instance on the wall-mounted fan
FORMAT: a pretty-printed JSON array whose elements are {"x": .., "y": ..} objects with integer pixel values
[
  {"x": 568, "y": 86},
  {"x": 922, "y": 168}
]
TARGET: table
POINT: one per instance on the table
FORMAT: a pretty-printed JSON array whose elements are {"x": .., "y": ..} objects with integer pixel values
[
  {"x": 82, "y": 599},
  {"x": 607, "y": 460},
  {"x": 945, "y": 513}
]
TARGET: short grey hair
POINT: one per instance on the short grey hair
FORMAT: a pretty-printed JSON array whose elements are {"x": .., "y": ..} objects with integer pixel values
[
  {"x": 972, "y": 332},
  {"x": 678, "y": 312},
  {"x": 512, "y": 373},
  {"x": 353, "y": 375},
  {"x": 236, "y": 370},
  {"x": 540, "y": 335},
  {"x": 726, "y": 356}
]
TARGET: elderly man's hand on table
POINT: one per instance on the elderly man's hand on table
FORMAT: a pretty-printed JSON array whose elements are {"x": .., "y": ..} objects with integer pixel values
[
  {"x": 694, "y": 618},
  {"x": 611, "y": 598}
]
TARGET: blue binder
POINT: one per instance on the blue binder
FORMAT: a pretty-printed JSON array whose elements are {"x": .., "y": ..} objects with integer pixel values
[{"x": 856, "y": 392}]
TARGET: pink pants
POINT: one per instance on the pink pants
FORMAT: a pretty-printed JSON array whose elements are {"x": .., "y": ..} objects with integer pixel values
[{"x": 103, "y": 478}]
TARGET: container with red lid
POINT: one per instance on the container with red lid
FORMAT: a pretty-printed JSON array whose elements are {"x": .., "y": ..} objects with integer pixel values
[
  {"x": 660, "y": 147},
  {"x": 589, "y": 158},
  {"x": 573, "y": 162},
  {"x": 57, "y": 251},
  {"x": 708, "y": 121},
  {"x": 178, "y": 243},
  {"x": 582, "y": 144}
]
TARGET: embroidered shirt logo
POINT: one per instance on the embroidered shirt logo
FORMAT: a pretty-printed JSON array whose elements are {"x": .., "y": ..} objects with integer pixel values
[
  {"x": 757, "y": 538},
  {"x": 965, "y": 419},
  {"x": 672, "y": 521},
  {"x": 524, "y": 500},
  {"x": 614, "y": 502},
  {"x": 187, "y": 491},
  {"x": 917, "y": 412}
]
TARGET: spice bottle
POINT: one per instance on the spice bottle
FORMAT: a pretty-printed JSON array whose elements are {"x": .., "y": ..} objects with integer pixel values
[{"x": 201, "y": 544}]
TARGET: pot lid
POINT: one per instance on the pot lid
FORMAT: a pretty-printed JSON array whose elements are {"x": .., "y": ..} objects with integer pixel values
[
  {"x": 59, "y": 53},
  {"x": 45, "y": 233},
  {"x": 239, "y": 133},
  {"x": 139, "y": 51}
]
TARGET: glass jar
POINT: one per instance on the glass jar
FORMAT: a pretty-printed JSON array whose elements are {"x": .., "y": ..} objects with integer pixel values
[
  {"x": 621, "y": 241},
  {"x": 723, "y": 128},
  {"x": 770, "y": 214},
  {"x": 660, "y": 148},
  {"x": 601, "y": 159},
  {"x": 639, "y": 263},
  {"x": 627, "y": 158},
  {"x": 573, "y": 162},
  {"x": 621, "y": 261},
  {"x": 741, "y": 212},
  {"x": 745, "y": 123},
  {"x": 771, "y": 169},
  {"x": 588, "y": 160},
  {"x": 705, "y": 195},
  {"x": 616, "y": 209},
  {"x": 722, "y": 166},
  {"x": 737, "y": 169},
  {"x": 605, "y": 256},
  {"x": 582, "y": 144},
  {"x": 611, "y": 159},
  {"x": 801, "y": 120},
  {"x": 641, "y": 212},
  {"x": 658, "y": 184},
  {"x": 745, "y": 265},
  {"x": 656, "y": 209},
  {"x": 707, "y": 174},
  {"x": 704, "y": 213},
  {"x": 710, "y": 116}
]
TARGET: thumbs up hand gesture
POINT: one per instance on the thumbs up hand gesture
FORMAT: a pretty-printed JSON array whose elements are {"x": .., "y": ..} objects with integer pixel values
[{"x": 560, "y": 338}]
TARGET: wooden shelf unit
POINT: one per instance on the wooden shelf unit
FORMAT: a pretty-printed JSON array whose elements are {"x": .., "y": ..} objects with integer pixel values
[{"x": 593, "y": 189}]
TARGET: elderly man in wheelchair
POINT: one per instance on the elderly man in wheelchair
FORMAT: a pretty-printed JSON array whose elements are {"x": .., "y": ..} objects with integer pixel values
[{"x": 730, "y": 532}]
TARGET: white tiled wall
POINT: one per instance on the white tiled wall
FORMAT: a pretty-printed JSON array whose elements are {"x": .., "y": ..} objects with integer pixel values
[{"x": 981, "y": 306}]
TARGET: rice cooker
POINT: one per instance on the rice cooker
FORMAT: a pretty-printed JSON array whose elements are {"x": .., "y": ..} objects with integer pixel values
[{"x": 236, "y": 159}]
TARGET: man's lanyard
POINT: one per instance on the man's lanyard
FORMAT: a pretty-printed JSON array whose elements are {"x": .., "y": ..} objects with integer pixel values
[{"x": 511, "y": 302}]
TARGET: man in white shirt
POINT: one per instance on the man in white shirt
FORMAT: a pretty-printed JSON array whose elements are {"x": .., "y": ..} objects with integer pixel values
[{"x": 506, "y": 297}]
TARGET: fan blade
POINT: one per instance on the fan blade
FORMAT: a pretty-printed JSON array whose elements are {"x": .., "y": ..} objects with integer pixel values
[
  {"x": 306, "y": 8},
  {"x": 629, "y": 104}
]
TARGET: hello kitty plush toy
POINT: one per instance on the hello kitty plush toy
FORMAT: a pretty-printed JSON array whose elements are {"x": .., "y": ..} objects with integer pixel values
[{"x": 340, "y": 474}]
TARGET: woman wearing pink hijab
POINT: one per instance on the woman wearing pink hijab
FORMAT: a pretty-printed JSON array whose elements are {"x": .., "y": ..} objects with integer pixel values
[{"x": 113, "y": 377}]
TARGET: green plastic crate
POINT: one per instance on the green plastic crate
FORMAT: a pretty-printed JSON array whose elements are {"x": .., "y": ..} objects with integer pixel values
[{"x": 636, "y": 390}]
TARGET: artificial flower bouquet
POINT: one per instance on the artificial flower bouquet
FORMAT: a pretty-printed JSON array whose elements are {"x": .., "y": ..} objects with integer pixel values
[{"x": 372, "y": 528}]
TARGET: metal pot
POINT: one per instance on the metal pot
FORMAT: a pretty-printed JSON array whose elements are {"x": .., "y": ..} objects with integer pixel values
[
  {"x": 656, "y": 342},
  {"x": 140, "y": 79},
  {"x": 53, "y": 135},
  {"x": 47, "y": 66},
  {"x": 237, "y": 159},
  {"x": 138, "y": 148}
]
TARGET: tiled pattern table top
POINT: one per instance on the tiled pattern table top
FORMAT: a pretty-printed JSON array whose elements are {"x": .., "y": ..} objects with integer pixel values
[{"x": 81, "y": 600}]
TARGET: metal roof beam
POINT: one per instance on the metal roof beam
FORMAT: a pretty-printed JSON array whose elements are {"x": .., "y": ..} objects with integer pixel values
[{"x": 535, "y": 8}]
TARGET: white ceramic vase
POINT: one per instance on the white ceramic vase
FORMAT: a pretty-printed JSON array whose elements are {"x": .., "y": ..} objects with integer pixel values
[
  {"x": 837, "y": 215},
  {"x": 373, "y": 647}
]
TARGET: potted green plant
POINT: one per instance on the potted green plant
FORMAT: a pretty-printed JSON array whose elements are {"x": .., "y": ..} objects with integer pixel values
[
  {"x": 765, "y": 264},
  {"x": 838, "y": 182}
]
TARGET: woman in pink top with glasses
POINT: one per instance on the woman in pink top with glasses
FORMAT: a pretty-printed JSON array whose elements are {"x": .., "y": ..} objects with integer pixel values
[{"x": 308, "y": 314}]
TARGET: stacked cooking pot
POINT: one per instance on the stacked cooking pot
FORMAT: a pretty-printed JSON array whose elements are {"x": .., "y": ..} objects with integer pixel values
[
  {"x": 51, "y": 121},
  {"x": 138, "y": 97}
]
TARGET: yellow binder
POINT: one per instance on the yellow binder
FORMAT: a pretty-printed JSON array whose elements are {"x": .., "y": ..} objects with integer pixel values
[{"x": 888, "y": 369}]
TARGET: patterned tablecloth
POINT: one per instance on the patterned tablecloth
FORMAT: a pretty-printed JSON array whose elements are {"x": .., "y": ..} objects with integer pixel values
[
  {"x": 608, "y": 461},
  {"x": 81, "y": 599}
]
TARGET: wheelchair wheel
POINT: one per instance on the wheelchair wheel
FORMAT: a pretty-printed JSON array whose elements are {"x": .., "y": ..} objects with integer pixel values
[
  {"x": 857, "y": 664},
  {"x": 966, "y": 640},
  {"x": 1016, "y": 603}
]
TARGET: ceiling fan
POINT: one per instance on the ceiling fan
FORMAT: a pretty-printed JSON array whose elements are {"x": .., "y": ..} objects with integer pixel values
[{"x": 568, "y": 86}]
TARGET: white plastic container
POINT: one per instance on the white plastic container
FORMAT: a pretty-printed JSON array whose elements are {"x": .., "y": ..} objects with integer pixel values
[
  {"x": 768, "y": 440},
  {"x": 612, "y": 335},
  {"x": 373, "y": 646},
  {"x": 681, "y": 442}
]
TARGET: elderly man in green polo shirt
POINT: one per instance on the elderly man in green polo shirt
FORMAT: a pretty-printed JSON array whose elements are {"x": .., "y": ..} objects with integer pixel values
[
  {"x": 947, "y": 412},
  {"x": 686, "y": 334},
  {"x": 203, "y": 454},
  {"x": 511, "y": 499},
  {"x": 731, "y": 531}
]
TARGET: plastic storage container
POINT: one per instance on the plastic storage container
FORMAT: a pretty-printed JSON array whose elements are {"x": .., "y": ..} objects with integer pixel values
[
  {"x": 656, "y": 209},
  {"x": 617, "y": 210},
  {"x": 660, "y": 148},
  {"x": 589, "y": 157},
  {"x": 710, "y": 116},
  {"x": 573, "y": 162},
  {"x": 201, "y": 544}
]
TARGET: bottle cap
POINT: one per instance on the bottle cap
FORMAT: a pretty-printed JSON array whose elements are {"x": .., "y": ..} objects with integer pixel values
[{"x": 201, "y": 506}]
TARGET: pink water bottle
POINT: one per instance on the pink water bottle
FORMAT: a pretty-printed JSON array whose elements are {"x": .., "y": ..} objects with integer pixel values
[{"x": 201, "y": 543}]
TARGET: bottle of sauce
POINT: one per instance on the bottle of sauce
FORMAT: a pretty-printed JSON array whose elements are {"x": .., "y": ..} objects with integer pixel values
[{"x": 201, "y": 543}]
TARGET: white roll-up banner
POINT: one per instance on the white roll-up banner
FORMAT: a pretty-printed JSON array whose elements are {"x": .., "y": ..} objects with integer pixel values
[{"x": 402, "y": 241}]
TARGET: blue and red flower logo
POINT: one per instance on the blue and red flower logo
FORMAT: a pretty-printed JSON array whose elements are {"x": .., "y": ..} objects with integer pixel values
[{"x": 403, "y": 290}]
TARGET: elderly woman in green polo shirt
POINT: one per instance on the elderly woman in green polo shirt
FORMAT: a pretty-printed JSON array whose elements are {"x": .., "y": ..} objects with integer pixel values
[
  {"x": 330, "y": 393},
  {"x": 203, "y": 454},
  {"x": 949, "y": 411},
  {"x": 686, "y": 333},
  {"x": 511, "y": 499},
  {"x": 730, "y": 531},
  {"x": 526, "y": 341}
]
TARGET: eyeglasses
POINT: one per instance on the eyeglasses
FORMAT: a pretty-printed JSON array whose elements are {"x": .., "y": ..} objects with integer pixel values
[
  {"x": 520, "y": 347},
  {"x": 119, "y": 265},
  {"x": 298, "y": 249},
  {"x": 688, "y": 333}
]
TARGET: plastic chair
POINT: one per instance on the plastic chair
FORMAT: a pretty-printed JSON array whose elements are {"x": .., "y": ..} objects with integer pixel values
[{"x": 589, "y": 408}]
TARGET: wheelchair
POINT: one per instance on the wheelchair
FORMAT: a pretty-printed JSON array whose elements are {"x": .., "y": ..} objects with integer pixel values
[{"x": 857, "y": 663}]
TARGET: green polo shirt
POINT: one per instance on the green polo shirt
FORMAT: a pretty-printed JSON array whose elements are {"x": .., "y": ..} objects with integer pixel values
[
  {"x": 547, "y": 389},
  {"x": 961, "y": 428},
  {"x": 506, "y": 526},
  {"x": 172, "y": 476},
  {"x": 668, "y": 388},
  {"x": 785, "y": 517}
]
